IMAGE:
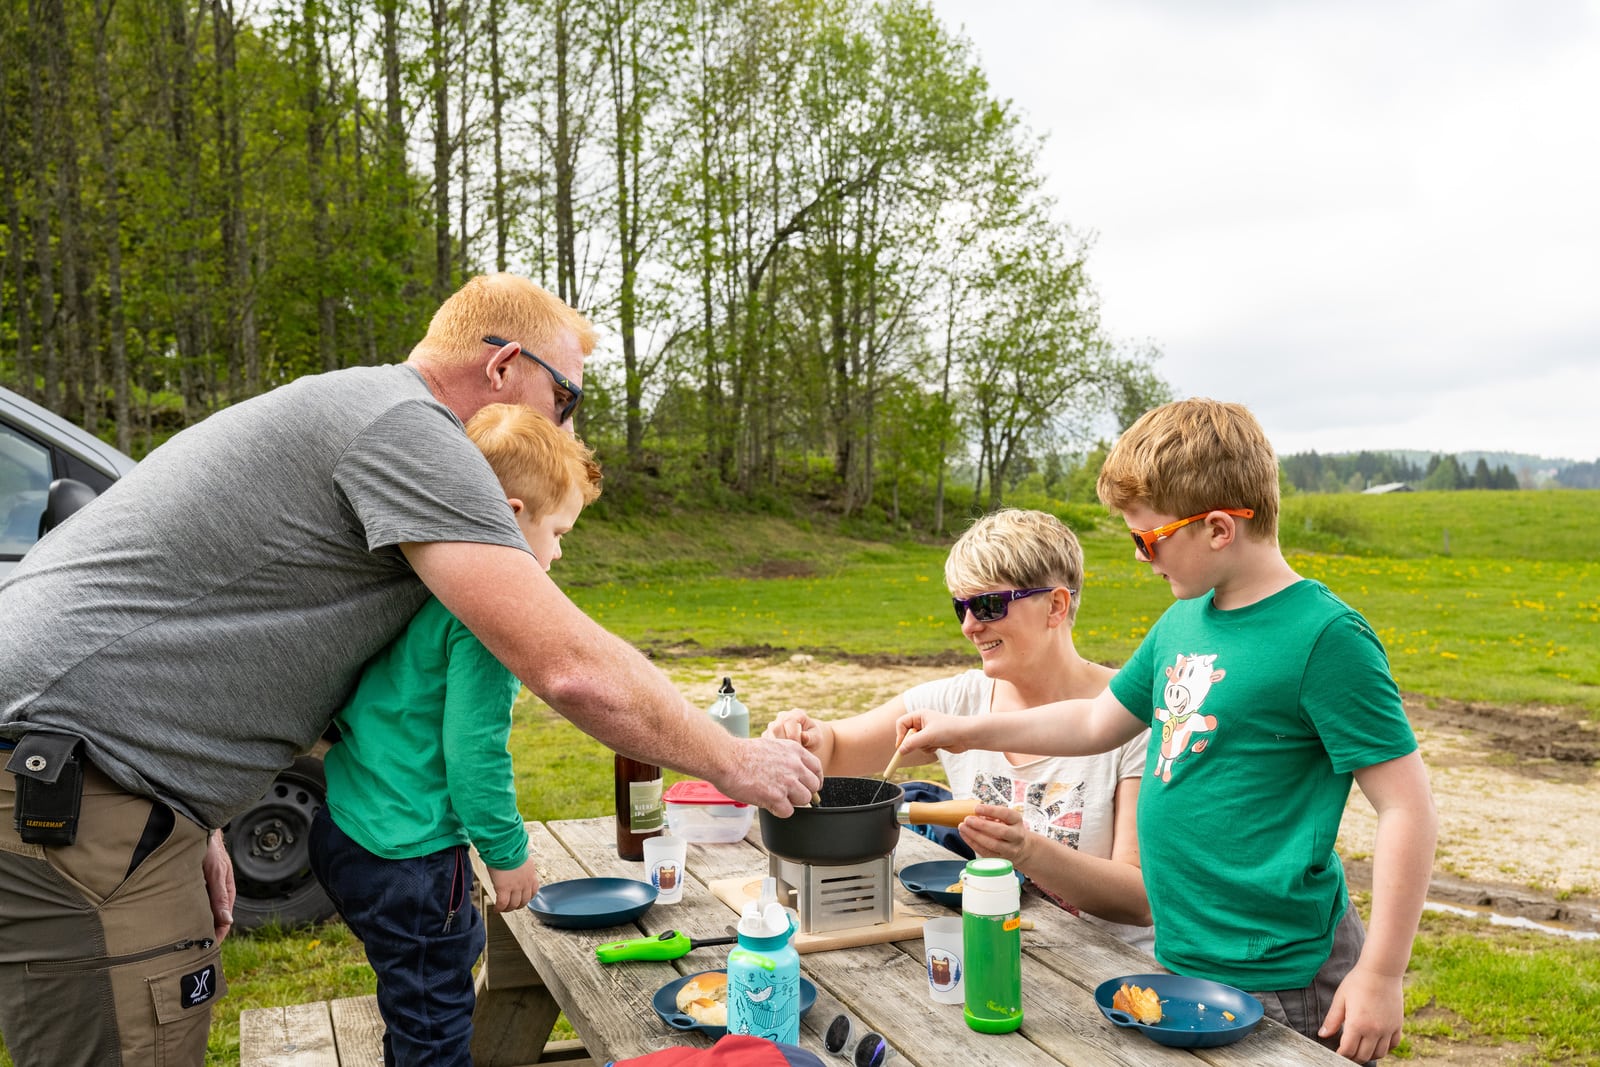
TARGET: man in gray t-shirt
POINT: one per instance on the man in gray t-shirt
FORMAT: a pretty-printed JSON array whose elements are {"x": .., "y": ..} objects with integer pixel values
[{"x": 199, "y": 623}]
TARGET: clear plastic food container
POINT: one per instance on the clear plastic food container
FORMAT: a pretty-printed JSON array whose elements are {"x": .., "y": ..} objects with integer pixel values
[{"x": 698, "y": 811}]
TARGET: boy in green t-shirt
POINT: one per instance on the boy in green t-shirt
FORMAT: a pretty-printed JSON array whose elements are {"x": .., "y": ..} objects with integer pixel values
[
  {"x": 422, "y": 769},
  {"x": 1265, "y": 695}
]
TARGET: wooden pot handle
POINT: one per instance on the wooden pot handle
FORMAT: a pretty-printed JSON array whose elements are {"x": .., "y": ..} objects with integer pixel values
[{"x": 938, "y": 812}]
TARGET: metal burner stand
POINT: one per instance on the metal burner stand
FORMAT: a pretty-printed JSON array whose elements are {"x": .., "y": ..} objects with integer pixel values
[{"x": 837, "y": 898}]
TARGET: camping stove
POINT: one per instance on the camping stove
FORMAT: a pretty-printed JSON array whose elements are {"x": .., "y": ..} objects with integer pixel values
[{"x": 837, "y": 898}]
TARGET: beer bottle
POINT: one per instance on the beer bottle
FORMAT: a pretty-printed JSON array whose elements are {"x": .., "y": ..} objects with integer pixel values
[{"x": 640, "y": 811}]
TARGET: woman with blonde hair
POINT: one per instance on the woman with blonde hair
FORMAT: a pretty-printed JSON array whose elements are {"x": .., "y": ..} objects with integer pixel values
[{"x": 1067, "y": 823}]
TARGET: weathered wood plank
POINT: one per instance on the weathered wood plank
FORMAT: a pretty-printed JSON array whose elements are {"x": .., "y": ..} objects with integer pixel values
[
  {"x": 293, "y": 1035},
  {"x": 1087, "y": 955},
  {"x": 357, "y": 1031},
  {"x": 608, "y": 1005},
  {"x": 883, "y": 987}
]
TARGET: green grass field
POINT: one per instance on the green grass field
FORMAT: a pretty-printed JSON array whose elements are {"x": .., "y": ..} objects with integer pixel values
[
  {"x": 1491, "y": 597},
  {"x": 1508, "y": 614}
]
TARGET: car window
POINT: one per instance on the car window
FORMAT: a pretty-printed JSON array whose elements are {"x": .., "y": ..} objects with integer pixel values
[{"x": 25, "y": 475}]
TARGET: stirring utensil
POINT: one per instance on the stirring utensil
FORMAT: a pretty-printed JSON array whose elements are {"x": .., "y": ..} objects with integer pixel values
[{"x": 894, "y": 761}]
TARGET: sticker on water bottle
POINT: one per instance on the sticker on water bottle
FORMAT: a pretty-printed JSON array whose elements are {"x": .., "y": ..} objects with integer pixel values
[{"x": 1013, "y": 923}]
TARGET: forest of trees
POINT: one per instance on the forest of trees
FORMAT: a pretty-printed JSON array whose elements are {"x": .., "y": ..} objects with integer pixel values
[
  {"x": 1355, "y": 472},
  {"x": 816, "y": 243}
]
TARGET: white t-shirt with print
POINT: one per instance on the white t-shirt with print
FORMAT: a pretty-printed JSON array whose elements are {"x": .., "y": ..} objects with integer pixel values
[{"x": 1071, "y": 799}]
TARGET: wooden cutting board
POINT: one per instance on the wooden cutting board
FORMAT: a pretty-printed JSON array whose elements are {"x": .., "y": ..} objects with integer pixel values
[{"x": 737, "y": 892}]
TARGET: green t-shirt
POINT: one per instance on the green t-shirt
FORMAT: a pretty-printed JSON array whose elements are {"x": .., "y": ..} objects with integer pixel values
[
  {"x": 1258, "y": 718},
  {"x": 422, "y": 764}
]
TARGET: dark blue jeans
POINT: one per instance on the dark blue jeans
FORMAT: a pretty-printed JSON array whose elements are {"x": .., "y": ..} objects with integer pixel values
[{"x": 422, "y": 935}]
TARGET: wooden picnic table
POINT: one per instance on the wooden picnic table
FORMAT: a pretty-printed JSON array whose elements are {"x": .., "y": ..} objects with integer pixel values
[{"x": 532, "y": 971}]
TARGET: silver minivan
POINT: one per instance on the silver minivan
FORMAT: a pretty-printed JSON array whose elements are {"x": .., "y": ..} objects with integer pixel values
[{"x": 48, "y": 468}]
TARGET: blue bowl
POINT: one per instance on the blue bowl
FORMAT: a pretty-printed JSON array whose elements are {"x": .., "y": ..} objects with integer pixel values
[
  {"x": 592, "y": 903},
  {"x": 930, "y": 879},
  {"x": 1191, "y": 1010},
  {"x": 665, "y": 1002}
]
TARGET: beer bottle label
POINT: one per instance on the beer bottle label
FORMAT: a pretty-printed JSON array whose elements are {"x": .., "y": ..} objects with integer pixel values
[{"x": 646, "y": 812}]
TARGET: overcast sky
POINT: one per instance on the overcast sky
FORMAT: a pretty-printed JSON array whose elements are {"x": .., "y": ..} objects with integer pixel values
[{"x": 1374, "y": 222}]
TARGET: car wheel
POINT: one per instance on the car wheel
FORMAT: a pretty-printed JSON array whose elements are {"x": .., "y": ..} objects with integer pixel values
[{"x": 270, "y": 848}]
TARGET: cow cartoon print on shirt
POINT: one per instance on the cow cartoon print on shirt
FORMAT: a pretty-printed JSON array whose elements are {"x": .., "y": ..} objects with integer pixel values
[{"x": 1189, "y": 680}]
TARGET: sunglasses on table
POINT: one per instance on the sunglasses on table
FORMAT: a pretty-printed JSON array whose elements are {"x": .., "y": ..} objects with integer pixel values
[
  {"x": 992, "y": 607},
  {"x": 1144, "y": 541},
  {"x": 870, "y": 1051},
  {"x": 574, "y": 393}
]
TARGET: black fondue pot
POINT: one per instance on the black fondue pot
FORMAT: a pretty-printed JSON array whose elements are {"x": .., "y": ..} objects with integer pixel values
[{"x": 857, "y": 819}]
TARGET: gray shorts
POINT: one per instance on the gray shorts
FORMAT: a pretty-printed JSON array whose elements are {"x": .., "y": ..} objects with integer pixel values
[{"x": 1304, "y": 1009}]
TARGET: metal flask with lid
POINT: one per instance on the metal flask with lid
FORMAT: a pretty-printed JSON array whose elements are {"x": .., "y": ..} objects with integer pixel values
[
  {"x": 991, "y": 943},
  {"x": 729, "y": 713}
]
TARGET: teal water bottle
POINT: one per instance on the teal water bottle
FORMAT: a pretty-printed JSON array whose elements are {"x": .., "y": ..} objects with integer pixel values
[
  {"x": 764, "y": 972},
  {"x": 991, "y": 944},
  {"x": 733, "y": 716}
]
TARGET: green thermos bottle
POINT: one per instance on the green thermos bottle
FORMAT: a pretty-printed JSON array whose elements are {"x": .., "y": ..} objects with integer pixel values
[{"x": 991, "y": 942}]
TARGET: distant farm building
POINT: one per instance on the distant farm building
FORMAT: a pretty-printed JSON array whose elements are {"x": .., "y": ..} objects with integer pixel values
[{"x": 1389, "y": 487}]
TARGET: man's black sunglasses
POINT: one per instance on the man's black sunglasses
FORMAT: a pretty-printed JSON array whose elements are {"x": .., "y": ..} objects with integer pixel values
[{"x": 574, "y": 394}]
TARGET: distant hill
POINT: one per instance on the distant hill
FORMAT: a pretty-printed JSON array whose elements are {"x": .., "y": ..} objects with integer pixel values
[
  {"x": 1336, "y": 472},
  {"x": 1516, "y": 461}
]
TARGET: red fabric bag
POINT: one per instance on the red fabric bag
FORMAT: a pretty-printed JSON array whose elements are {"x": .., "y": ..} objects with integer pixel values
[{"x": 733, "y": 1050}]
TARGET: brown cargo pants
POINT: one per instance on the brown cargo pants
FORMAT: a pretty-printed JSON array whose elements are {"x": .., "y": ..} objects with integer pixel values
[{"x": 107, "y": 949}]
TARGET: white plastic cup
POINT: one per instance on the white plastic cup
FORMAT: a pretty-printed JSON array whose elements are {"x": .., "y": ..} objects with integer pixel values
[
  {"x": 664, "y": 859},
  {"x": 941, "y": 955}
]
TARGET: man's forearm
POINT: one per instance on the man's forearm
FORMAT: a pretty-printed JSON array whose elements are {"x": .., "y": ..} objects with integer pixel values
[{"x": 599, "y": 682}]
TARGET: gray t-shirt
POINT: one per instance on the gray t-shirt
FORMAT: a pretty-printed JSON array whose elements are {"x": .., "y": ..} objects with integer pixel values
[{"x": 201, "y": 621}]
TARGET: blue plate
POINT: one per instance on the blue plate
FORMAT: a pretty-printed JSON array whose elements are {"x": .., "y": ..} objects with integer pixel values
[
  {"x": 666, "y": 1004},
  {"x": 931, "y": 878},
  {"x": 590, "y": 903},
  {"x": 1191, "y": 1010}
]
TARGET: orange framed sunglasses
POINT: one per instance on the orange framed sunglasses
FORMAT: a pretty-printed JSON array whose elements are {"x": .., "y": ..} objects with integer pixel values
[{"x": 1144, "y": 541}]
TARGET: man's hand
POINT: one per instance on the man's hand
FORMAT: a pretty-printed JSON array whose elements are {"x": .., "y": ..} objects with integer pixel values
[
  {"x": 1370, "y": 1009},
  {"x": 772, "y": 773},
  {"x": 996, "y": 830},
  {"x": 218, "y": 870},
  {"x": 514, "y": 888}
]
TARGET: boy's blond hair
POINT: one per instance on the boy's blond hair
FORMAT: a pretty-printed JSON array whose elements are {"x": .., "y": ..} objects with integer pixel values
[
  {"x": 501, "y": 305},
  {"x": 1192, "y": 456},
  {"x": 1015, "y": 549},
  {"x": 536, "y": 461}
]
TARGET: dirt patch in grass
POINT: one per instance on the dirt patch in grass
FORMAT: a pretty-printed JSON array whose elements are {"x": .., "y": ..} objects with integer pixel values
[
  {"x": 1517, "y": 799},
  {"x": 1444, "y": 1050},
  {"x": 1516, "y": 788}
]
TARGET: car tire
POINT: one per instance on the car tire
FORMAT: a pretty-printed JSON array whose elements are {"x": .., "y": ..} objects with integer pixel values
[{"x": 270, "y": 848}]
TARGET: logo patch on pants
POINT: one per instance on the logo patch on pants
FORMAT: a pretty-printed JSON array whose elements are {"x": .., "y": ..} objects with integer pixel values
[{"x": 197, "y": 988}]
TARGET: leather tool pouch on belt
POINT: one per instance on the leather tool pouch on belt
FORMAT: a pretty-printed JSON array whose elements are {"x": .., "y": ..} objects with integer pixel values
[{"x": 49, "y": 770}]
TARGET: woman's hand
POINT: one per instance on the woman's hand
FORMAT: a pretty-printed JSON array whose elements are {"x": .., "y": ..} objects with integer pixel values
[
  {"x": 814, "y": 735},
  {"x": 997, "y": 831}
]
